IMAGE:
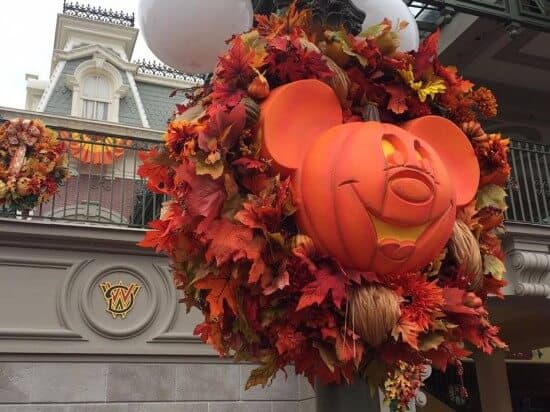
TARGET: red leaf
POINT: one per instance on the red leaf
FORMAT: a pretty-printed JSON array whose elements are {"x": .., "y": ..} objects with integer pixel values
[
  {"x": 233, "y": 121},
  {"x": 398, "y": 98},
  {"x": 224, "y": 95},
  {"x": 454, "y": 298},
  {"x": 222, "y": 289},
  {"x": 237, "y": 62},
  {"x": 205, "y": 196},
  {"x": 317, "y": 291},
  {"x": 249, "y": 163},
  {"x": 230, "y": 242},
  {"x": 426, "y": 54},
  {"x": 494, "y": 286},
  {"x": 155, "y": 169},
  {"x": 288, "y": 339}
]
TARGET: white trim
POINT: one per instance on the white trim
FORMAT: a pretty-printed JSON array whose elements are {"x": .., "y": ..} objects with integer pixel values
[
  {"x": 137, "y": 98},
  {"x": 97, "y": 65},
  {"x": 97, "y": 51},
  {"x": 92, "y": 32},
  {"x": 49, "y": 90}
]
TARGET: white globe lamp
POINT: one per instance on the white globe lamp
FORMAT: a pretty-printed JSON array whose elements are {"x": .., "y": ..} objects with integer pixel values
[
  {"x": 394, "y": 10},
  {"x": 189, "y": 35}
]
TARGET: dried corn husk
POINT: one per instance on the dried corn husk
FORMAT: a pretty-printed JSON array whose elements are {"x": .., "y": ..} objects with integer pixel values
[
  {"x": 464, "y": 247},
  {"x": 374, "y": 312},
  {"x": 252, "y": 109},
  {"x": 340, "y": 82},
  {"x": 303, "y": 242}
]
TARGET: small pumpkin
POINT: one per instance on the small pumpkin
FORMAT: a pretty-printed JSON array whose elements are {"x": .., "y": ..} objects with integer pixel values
[{"x": 373, "y": 195}]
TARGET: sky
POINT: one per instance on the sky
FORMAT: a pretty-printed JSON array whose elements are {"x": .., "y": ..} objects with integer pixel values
[{"x": 27, "y": 29}]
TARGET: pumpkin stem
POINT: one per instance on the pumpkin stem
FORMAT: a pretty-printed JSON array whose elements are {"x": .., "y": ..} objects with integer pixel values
[{"x": 370, "y": 112}]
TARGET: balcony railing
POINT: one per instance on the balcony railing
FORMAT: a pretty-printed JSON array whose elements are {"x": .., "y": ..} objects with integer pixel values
[
  {"x": 104, "y": 188},
  {"x": 529, "y": 187}
]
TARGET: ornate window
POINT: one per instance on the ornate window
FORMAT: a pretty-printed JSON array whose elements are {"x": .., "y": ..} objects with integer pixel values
[
  {"x": 96, "y": 97},
  {"x": 97, "y": 88}
]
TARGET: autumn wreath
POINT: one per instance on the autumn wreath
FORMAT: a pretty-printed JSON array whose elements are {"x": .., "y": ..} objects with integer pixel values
[
  {"x": 33, "y": 163},
  {"x": 268, "y": 294}
]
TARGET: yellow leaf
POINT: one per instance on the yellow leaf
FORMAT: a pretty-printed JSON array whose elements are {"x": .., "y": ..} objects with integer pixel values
[
  {"x": 264, "y": 374},
  {"x": 494, "y": 266},
  {"x": 491, "y": 196},
  {"x": 258, "y": 44},
  {"x": 432, "y": 88},
  {"x": 204, "y": 168}
]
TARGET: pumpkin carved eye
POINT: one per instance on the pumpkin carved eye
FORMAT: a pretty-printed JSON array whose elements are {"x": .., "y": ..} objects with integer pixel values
[
  {"x": 422, "y": 156},
  {"x": 394, "y": 150}
]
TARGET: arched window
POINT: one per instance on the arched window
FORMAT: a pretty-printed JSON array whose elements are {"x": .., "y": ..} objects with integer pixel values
[
  {"x": 97, "y": 89},
  {"x": 96, "y": 97}
]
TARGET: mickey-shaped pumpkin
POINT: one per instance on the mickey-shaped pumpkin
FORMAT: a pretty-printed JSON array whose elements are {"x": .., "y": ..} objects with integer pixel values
[{"x": 373, "y": 195}]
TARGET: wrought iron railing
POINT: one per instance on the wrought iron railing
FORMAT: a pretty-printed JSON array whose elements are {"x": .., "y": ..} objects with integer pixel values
[
  {"x": 529, "y": 187},
  {"x": 161, "y": 70},
  {"x": 98, "y": 14},
  {"x": 103, "y": 187}
]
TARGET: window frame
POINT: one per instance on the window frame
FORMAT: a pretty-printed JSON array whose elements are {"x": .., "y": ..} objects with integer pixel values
[{"x": 97, "y": 66}]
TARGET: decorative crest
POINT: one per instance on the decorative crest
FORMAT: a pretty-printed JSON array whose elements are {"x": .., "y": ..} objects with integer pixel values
[
  {"x": 120, "y": 298},
  {"x": 98, "y": 14}
]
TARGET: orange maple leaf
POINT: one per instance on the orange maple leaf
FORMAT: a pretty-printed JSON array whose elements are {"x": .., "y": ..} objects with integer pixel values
[{"x": 222, "y": 289}]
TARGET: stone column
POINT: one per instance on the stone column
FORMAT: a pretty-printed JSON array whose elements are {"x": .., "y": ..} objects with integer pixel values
[{"x": 492, "y": 380}]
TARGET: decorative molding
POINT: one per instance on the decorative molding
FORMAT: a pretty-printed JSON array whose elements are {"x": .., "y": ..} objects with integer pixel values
[
  {"x": 98, "y": 66},
  {"x": 65, "y": 331},
  {"x": 39, "y": 334},
  {"x": 98, "y": 52},
  {"x": 532, "y": 270},
  {"x": 75, "y": 31},
  {"x": 166, "y": 334},
  {"x": 137, "y": 98},
  {"x": 86, "y": 307},
  {"x": 64, "y": 293},
  {"x": 51, "y": 86}
]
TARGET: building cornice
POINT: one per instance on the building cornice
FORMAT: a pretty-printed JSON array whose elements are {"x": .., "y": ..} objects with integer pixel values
[
  {"x": 69, "y": 27},
  {"x": 94, "y": 51}
]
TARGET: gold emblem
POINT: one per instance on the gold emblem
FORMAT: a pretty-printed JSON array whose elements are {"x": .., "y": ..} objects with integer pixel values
[{"x": 119, "y": 297}]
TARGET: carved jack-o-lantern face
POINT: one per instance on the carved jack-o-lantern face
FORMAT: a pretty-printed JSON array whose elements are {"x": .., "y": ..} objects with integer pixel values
[{"x": 375, "y": 196}]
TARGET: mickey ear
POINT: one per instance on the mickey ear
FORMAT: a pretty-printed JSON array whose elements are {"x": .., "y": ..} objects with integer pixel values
[
  {"x": 455, "y": 151},
  {"x": 293, "y": 117}
]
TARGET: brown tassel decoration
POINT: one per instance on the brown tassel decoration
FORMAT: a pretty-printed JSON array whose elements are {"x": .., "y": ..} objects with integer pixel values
[
  {"x": 464, "y": 247},
  {"x": 374, "y": 312}
]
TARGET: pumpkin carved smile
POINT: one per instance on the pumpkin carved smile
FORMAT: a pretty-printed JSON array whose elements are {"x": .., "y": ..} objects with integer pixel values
[{"x": 391, "y": 213}]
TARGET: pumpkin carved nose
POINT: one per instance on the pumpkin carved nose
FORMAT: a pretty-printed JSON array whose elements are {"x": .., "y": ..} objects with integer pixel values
[{"x": 411, "y": 190}]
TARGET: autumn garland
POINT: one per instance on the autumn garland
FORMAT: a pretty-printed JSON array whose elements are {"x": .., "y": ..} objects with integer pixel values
[
  {"x": 33, "y": 164},
  {"x": 230, "y": 231}
]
